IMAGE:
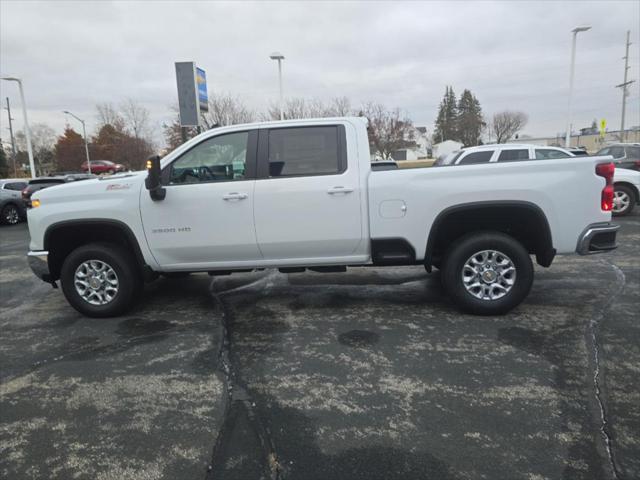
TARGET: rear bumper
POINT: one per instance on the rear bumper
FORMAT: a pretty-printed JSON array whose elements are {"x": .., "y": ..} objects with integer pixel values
[
  {"x": 598, "y": 238},
  {"x": 39, "y": 263}
]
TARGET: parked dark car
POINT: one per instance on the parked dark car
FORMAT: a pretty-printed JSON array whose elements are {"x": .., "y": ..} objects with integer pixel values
[
  {"x": 12, "y": 209},
  {"x": 39, "y": 184},
  {"x": 625, "y": 155},
  {"x": 46, "y": 182},
  {"x": 103, "y": 166}
]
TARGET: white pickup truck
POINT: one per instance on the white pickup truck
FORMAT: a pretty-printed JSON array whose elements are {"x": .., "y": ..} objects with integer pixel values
[{"x": 301, "y": 194}]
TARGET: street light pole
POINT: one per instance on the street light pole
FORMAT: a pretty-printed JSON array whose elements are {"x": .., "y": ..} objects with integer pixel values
[
  {"x": 575, "y": 31},
  {"x": 27, "y": 131},
  {"x": 279, "y": 57},
  {"x": 84, "y": 132}
]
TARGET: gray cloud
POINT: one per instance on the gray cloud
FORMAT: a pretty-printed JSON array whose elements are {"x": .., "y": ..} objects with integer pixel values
[{"x": 514, "y": 55}]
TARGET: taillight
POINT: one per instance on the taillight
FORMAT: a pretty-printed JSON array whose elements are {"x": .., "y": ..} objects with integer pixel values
[
  {"x": 607, "y": 198},
  {"x": 25, "y": 193},
  {"x": 606, "y": 170}
]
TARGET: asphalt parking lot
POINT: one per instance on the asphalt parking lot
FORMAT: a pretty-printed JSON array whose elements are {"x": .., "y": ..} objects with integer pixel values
[{"x": 364, "y": 375}]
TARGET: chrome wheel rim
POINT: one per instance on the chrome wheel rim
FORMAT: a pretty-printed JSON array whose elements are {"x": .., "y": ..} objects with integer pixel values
[
  {"x": 96, "y": 282},
  {"x": 621, "y": 201},
  {"x": 488, "y": 275},
  {"x": 11, "y": 215}
]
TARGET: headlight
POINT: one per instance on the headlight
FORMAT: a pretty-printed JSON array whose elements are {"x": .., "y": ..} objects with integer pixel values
[{"x": 35, "y": 203}]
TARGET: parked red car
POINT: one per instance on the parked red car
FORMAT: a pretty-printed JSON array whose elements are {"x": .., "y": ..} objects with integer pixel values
[{"x": 103, "y": 166}]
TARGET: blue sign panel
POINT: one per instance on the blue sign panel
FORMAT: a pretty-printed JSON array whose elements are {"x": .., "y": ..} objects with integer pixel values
[{"x": 201, "y": 82}]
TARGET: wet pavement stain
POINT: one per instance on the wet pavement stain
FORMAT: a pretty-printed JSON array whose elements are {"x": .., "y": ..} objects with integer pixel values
[
  {"x": 359, "y": 338},
  {"x": 135, "y": 327}
]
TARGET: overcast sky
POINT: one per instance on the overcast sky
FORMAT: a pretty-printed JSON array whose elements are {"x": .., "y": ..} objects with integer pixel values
[{"x": 511, "y": 55}]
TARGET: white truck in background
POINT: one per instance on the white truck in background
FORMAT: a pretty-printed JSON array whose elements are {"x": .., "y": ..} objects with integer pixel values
[{"x": 301, "y": 194}]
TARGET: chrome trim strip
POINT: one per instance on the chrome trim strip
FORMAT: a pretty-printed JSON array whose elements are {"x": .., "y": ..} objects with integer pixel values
[
  {"x": 39, "y": 263},
  {"x": 591, "y": 231}
]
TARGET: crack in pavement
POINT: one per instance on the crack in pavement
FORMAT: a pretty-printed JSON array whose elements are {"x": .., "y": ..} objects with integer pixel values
[
  {"x": 594, "y": 362},
  {"x": 238, "y": 401}
]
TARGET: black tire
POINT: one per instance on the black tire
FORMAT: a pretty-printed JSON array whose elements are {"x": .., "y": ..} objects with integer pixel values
[
  {"x": 630, "y": 196},
  {"x": 120, "y": 261},
  {"x": 10, "y": 214},
  {"x": 463, "y": 249}
]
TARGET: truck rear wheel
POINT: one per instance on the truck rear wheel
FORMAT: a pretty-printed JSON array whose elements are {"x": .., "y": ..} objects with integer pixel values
[
  {"x": 487, "y": 273},
  {"x": 100, "y": 280}
]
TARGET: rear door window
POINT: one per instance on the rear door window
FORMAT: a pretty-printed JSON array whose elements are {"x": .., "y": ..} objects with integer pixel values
[
  {"x": 476, "y": 157},
  {"x": 513, "y": 155},
  {"x": 617, "y": 152},
  {"x": 633, "y": 153},
  {"x": 306, "y": 151},
  {"x": 15, "y": 186},
  {"x": 548, "y": 153}
]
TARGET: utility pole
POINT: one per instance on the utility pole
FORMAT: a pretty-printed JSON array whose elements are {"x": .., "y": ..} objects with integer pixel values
[
  {"x": 13, "y": 141},
  {"x": 624, "y": 86}
]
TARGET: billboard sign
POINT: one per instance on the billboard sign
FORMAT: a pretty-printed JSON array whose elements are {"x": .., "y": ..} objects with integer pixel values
[
  {"x": 201, "y": 82},
  {"x": 192, "y": 93}
]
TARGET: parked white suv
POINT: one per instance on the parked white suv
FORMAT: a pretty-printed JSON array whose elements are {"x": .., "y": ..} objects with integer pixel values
[
  {"x": 503, "y": 152},
  {"x": 627, "y": 191}
]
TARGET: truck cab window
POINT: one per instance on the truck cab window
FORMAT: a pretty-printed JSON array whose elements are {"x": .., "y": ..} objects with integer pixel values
[
  {"x": 513, "y": 155},
  {"x": 218, "y": 159},
  {"x": 304, "y": 151},
  {"x": 476, "y": 157}
]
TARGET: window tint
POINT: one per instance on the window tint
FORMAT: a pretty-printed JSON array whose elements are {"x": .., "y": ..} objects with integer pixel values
[
  {"x": 633, "y": 152},
  {"x": 304, "y": 151},
  {"x": 617, "y": 152},
  {"x": 513, "y": 155},
  {"x": 476, "y": 157},
  {"x": 547, "y": 153},
  {"x": 218, "y": 159},
  {"x": 17, "y": 186},
  {"x": 603, "y": 151}
]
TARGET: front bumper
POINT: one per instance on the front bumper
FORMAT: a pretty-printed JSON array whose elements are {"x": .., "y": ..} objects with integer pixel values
[
  {"x": 598, "y": 238},
  {"x": 39, "y": 263}
]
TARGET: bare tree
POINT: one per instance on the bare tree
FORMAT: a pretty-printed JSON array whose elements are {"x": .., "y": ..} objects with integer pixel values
[
  {"x": 295, "y": 108},
  {"x": 43, "y": 138},
  {"x": 225, "y": 109},
  {"x": 340, "y": 107},
  {"x": 136, "y": 119},
  {"x": 108, "y": 114},
  {"x": 505, "y": 125},
  {"x": 388, "y": 129}
]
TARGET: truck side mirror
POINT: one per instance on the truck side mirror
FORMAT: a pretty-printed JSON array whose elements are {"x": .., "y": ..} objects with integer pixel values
[{"x": 153, "y": 182}]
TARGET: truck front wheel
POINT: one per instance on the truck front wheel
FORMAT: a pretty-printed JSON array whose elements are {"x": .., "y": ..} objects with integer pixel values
[
  {"x": 487, "y": 273},
  {"x": 100, "y": 279}
]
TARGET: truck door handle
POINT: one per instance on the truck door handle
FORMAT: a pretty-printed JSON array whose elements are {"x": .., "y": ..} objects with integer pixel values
[
  {"x": 234, "y": 196},
  {"x": 339, "y": 189}
]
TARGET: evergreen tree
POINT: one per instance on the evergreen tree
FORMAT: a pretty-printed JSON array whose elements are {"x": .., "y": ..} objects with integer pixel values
[
  {"x": 470, "y": 123},
  {"x": 4, "y": 165},
  {"x": 69, "y": 150},
  {"x": 445, "y": 128}
]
